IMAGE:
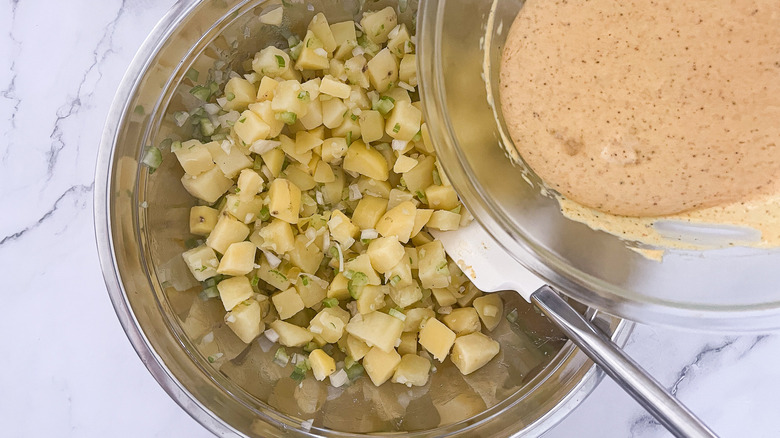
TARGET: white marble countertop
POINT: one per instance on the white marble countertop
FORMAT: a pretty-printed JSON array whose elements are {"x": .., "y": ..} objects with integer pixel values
[{"x": 68, "y": 369}]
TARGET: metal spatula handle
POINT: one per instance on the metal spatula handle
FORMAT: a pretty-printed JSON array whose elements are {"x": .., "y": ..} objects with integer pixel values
[{"x": 622, "y": 369}]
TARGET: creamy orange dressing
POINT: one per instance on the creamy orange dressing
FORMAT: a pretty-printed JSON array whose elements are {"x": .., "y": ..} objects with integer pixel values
[
  {"x": 650, "y": 109},
  {"x": 647, "y": 108}
]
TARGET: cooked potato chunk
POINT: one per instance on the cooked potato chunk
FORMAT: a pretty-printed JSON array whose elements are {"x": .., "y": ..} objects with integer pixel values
[
  {"x": 322, "y": 365},
  {"x": 404, "y": 121},
  {"x": 193, "y": 156},
  {"x": 378, "y": 25},
  {"x": 290, "y": 335},
  {"x": 329, "y": 324},
  {"x": 385, "y": 252},
  {"x": 239, "y": 259},
  {"x": 463, "y": 321},
  {"x": 380, "y": 364},
  {"x": 208, "y": 186},
  {"x": 398, "y": 221},
  {"x": 473, "y": 351},
  {"x": 365, "y": 160},
  {"x": 412, "y": 371},
  {"x": 490, "y": 309},
  {"x": 202, "y": 262},
  {"x": 246, "y": 320},
  {"x": 239, "y": 93},
  {"x": 202, "y": 220},
  {"x": 376, "y": 329},
  {"x": 226, "y": 232},
  {"x": 368, "y": 212},
  {"x": 287, "y": 303},
  {"x": 383, "y": 72},
  {"x": 433, "y": 268},
  {"x": 233, "y": 291},
  {"x": 284, "y": 200},
  {"x": 437, "y": 338}
]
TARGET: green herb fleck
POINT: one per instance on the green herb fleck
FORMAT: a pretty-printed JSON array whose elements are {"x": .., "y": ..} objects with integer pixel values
[
  {"x": 356, "y": 284},
  {"x": 287, "y": 117},
  {"x": 305, "y": 281},
  {"x": 255, "y": 280},
  {"x": 139, "y": 109},
  {"x": 397, "y": 128},
  {"x": 303, "y": 95},
  {"x": 280, "y": 61},
  {"x": 152, "y": 158},
  {"x": 349, "y": 138},
  {"x": 229, "y": 96},
  {"x": 395, "y": 279},
  {"x": 330, "y": 302},
  {"x": 436, "y": 177},
  {"x": 242, "y": 120},
  {"x": 258, "y": 163},
  {"x": 201, "y": 92},
  {"x": 353, "y": 117}
]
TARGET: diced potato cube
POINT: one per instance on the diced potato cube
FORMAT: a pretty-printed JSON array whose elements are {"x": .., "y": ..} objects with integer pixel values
[
  {"x": 444, "y": 296},
  {"x": 239, "y": 259},
  {"x": 413, "y": 257},
  {"x": 406, "y": 295},
  {"x": 287, "y": 303},
  {"x": 273, "y": 276},
  {"x": 284, "y": 200},
  {"x": 469, "y": 296},
  {"x": 193, "y": 156},
  {"x": 290, "y": 335},
  {"x": 306, "y": 141},
  {"x": 321, "y": 29},
  {"x": 372, "y": 126},
  {"x": 333, "y": 150},
  {"x": 421, "y": 176},
  {"x": 404, "y": 164},
  {"x": 312, "y": 292},
  {"x": 380, "y": 364},
  {"x": 404, "y": 121},
  {"x": 268, "y": 115},
  {"x": 441, "y": 197},
  {"x": 274, "y": 160},
  {"x": 202, "y": 220},
  {"x": 313, "y": 117},
  {"x": 376, "y": 329},
  {"x": 368, "y": 212},
  {"x": 413, "y": 370},
  {"x": 383, "y": 73},
  {"x": 345, "y": 37},
  {"x": 301, "y": 178},
  {"x": 400, "y": 275},
  {"x": 342, "y": 229},
  {"x": 473, "y": 351},
  {"x": 333, "y": 113},
  {"x": 324, "y": 173},
  {"x": 271, "y": 61},
  {"x": 267, "y": 87},
  {"x": 288, "y": 146},
  {"x": 249, "y": 184},
  {"x": 433, "y": 268},
  {"x": 208, "y": 186},
  {"x": 400, "y": 42},
  {"x": 246, "y": 320},
  {"x": 415, "y": 317},
  {"x": 398, "y": 196},
  {"x": 490, "y": 309},
  {"x": 277, "y": 237},
  {"x": 338, "y": 287},
  {"x": 202, "y": 262},
  {"x": 398, "y": 221},
  {"x": 422, "y": 238},
  {"x": 347, "y": 128},
  {"x": 372, "y": 298},
  {"x": 234, "y": 290},
  {"x": 322, "y": 365},
  {"x": 362, "y": 263},
  {"x": 408, "y": 343},
  {"x": 245, "y": 211},
  {"x": 311, "y": 57},
  {"x": 355, "y": 348},
  {"x": 231, "y": 162},
  {"x": 239, "y": 93},
  {"x": 385, "y": 252},
  {"x": 436, "y": 338},
  {"x": 377, "y": 25},
  {"x": 329, "y": 324},
  {"x": 226, "y": 232},
  {"x": 357, "y": 71},
  {"x": 250, "y": 128},
  {"x": 444, "y": 220},
  {"x": 421, "y": 218},
  {"x": 407, "y": 71},
  {"x": 286, "y": 98},
  {"x": 306, "y": 256},
  {"x": 463, "y": 321},
  {"x": 372, "y": 187},
  {"x": 333, "y": 87},
  {"x": 337, "y": 70}
]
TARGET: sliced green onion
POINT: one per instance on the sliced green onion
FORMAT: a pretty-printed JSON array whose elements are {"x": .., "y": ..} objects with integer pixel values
[
  {"x": 191, "y": 243},
  {"x": 139, "y": 109},
  {"x": 206, "y": 127},
  {"x": 305, "y": 280},
  {"x": 281, "y": 357},
  {"x": 180, "y": 117},
  {"x": 356, "y": 284},
  {"x": 242, "y": 120},
  {"x": 436, "y": 177},
  {"x": 395, "y": 279},
  {"x": 417, "y": 137},
  {"x": 280, "y": 61},
  {"x": 192, "y": 74},
  {"x": 303, "y": 95},
  {"x": 278, "y": 274},
  {"x": 258, "y": 163},
  {"x": 397, "y": 128},
  {"x": 152, "y": 158},
  {"x": 288, "y": 117},
  {"x": 298, "y": 374},
  {"x": 353, "y": 117},
  {"x": 349, "y": 138},
  {"x": 421, "y": 196},
  {"x": 255, "y": 280},
  {"x": 512, "y": 316},
  {"x": 349, "y": 362},
  {"x": 208, "y": 293},
  {"x": 397, "y": 314},
  {"x": 265, "y": 214},
  {"x": 311, "y": 346},
  {"x": 330, "y": 302},
  {"x": 201, "y": 92},
  {"x": 384, "y": 105},
  {"x": 229, "y": 96},
  {"x": 295, "y": 51},
  {"x": 456, "y": 210},
  {"x": 355, "y": 371}
]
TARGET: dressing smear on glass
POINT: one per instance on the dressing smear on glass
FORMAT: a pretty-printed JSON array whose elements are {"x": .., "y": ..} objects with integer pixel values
[{"x": 652, "y": 118}]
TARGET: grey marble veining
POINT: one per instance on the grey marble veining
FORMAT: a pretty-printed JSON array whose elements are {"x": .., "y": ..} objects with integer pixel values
[{"x": 68, "y": 369}]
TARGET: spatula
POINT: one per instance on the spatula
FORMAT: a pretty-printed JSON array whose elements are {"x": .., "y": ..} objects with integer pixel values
[{"x": 492, "y": 269}]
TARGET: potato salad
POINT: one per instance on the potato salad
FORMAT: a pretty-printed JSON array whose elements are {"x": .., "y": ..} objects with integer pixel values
[{"x": 317, "y": 183}]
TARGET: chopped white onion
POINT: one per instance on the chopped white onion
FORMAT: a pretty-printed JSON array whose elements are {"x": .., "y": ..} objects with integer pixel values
[
  {"x": 339, "y": 378},
  {"x": 226, "y": 146},
  {"x": 354, "y": 192},
  {"x": 222, "y": 101},
  {"x": 446, "y": 310},
  {"x": 357, "y": 51},
  {"x": 320, "y": 51},
  {"x": 315, "y": 329},
  {"x": 318, "y": 196},
  {"x": 265, "y": 343},
  {"x": 306, "y": 425},
  {"x": 406, "y": 86},
  {"x": 399, "y": 145},
  {"x": 209, "y": 338},
  {"x": 263, "y": 146},
  {"x": 211, "y": 108},
  {"x": 271, "y": 335},
  {"x": 394, "y": 33},
  {"x": 273, "y": 17},
  {"x": 369, "y": 234},
  {"x": 273, "y": 260}
]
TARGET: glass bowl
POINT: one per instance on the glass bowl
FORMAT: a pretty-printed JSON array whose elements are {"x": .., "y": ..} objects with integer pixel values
[
  {"x": 733, "y": 289},
  {"x": 235, "y": 389}
]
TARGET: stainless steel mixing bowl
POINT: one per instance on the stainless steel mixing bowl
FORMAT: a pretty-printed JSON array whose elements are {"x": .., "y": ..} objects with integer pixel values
[
  {"x": 235, "y": 389},
  {"x": 732, "y": 289}
]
